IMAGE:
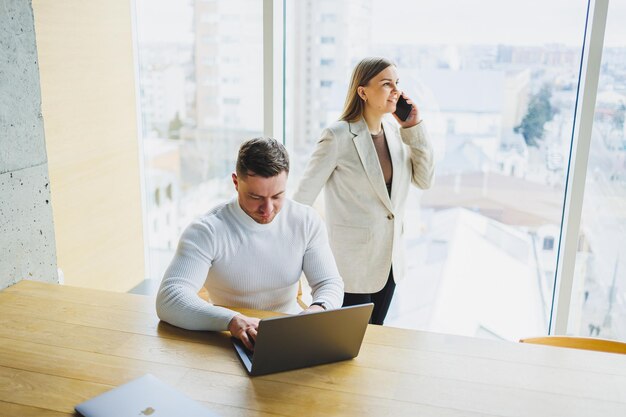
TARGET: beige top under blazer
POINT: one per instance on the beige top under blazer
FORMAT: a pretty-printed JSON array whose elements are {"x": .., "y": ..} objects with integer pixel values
[{"x": 365, "y": 225}]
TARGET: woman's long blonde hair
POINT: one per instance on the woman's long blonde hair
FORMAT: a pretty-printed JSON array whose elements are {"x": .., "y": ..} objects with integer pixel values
[{"x": 364, "y": 71}]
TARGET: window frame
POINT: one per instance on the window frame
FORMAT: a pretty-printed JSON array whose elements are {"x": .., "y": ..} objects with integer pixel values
[{"x": 591, "y": 61}]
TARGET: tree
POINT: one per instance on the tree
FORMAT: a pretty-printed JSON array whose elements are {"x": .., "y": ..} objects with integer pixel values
[
  {"x": 618, "y": 119},
  {"x": 539, "y": 112},
  {"x": 173, "y": 130}
]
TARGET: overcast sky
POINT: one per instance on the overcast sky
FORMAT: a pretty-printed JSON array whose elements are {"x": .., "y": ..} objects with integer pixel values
[
  {"x": 519, "y": 22},
  {"x": 516, "y": 22},
  {"x": 164, "y": 20}
]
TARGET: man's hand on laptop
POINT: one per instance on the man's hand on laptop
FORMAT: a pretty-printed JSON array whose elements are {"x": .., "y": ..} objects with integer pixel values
[{"x": 244, "y": 328}]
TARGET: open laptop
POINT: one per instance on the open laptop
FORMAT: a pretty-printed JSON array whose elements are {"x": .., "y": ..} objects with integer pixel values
[
  {"x": 299, "y": 341},
  {"x": 144, "y": 396}
]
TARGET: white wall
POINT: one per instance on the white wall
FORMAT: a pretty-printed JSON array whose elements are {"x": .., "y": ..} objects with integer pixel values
[
  {"x": 87, "y": 76},
  {"x": 27, "y": 243}
]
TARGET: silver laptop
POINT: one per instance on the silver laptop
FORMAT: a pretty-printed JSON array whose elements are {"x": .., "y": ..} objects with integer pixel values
[
  {"x": 144, "y": 396},
  {"x": 299, "y": 341}
]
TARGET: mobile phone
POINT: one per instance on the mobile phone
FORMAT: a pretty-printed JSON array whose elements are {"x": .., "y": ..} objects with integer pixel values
[{"x": 403, "y": 109}]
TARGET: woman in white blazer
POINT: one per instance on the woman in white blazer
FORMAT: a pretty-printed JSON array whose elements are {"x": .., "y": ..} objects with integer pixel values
[{"x": 365, "y": 163}]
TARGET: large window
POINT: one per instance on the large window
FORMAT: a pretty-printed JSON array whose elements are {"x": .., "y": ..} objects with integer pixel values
[
  {"x": 201, "y": 87},
  {"x": 497, "y": 85}
]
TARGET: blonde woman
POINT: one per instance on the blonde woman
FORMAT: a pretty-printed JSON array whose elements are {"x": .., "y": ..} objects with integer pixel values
[{"x": 365, "y": 163}]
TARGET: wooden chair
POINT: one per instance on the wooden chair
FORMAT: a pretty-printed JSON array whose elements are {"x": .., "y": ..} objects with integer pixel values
[
  {"x": 299, "y": 299},
  {"x": 204, "y": 294},
  {"x": 587, "y": 343}
]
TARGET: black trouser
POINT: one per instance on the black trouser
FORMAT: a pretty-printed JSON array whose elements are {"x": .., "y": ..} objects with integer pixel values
[{"x": 381, "y": 300}]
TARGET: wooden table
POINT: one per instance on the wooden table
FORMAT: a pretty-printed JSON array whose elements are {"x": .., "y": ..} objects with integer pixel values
[{"x": 61, "y": 345}]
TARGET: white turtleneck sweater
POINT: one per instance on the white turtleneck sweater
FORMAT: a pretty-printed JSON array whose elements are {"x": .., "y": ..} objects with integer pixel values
[{"x": 246, "y": 264}]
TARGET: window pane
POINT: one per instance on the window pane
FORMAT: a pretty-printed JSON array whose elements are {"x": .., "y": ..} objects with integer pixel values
[
  {"x": 496, "y": 85},
  {"x": 201, "y": 96},
  {"x": 599, "y": 298}
]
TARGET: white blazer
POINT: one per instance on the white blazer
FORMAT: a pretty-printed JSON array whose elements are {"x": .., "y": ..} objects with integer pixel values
[{"x": 365, "y": 225}]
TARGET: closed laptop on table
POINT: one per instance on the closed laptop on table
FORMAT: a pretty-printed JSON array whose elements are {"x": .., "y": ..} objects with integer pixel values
[
  {"x": 144, "y": 396},
  {"x": 298, "y": 341}
]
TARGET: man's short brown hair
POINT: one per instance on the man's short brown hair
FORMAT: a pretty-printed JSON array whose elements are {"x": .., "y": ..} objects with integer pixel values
[{"x": 265, "y": 157}]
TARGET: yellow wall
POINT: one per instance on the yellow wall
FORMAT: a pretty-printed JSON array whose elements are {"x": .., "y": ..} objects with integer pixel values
[{"x": 88, "y": 99}]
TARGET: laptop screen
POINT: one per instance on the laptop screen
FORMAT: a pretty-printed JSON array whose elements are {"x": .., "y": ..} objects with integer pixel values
[{"x": 298, "y": 341}]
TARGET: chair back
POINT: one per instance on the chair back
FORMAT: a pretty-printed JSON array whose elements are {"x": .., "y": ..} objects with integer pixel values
[{"x": 587, "y": 343}]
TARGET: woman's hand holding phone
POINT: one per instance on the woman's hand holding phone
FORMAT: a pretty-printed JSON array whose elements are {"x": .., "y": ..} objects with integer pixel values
[{"x": 406, "y": 112}]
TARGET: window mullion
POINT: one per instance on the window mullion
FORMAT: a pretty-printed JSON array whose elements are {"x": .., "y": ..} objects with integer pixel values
[
  {"x": 272, "y": 68},
  {"x": 579, "y": 157}
]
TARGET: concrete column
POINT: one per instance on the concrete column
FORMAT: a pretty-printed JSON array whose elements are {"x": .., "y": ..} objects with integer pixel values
[{"x": 27, "y": 243}]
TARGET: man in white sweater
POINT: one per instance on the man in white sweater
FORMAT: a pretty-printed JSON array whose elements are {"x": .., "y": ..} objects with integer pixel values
[{"x": 249, "y": 252}]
